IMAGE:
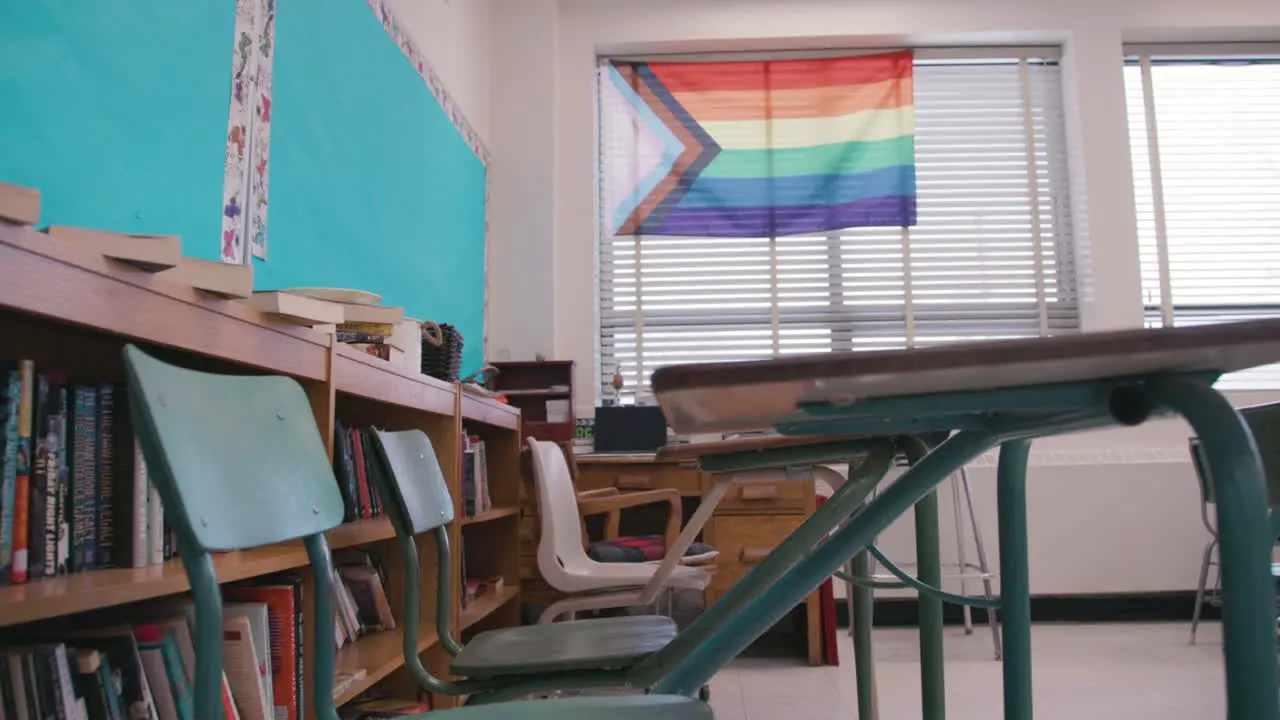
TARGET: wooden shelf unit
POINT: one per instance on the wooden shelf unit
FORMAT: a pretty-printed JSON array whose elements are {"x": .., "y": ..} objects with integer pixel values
[{"x": 73, "y": 312}]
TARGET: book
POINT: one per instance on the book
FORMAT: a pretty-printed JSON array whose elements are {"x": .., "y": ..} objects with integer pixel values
[
  {"x": 375, "y": 329},
  {"x": 105, "y": 479},
  {"x": 84, "y": 479},
  {"x": 379, "y": 314},
  {"x": 297, "y": 309},
  {"x": 18, "y": 204},
  {"x": 50, "y": 433},
  {"x": 225, "y": 280},
  {"x": 96, "y": 685},
  {"x": 283, "y": 641},
  {"x": 152, "y": 253},
  {"x": 174, "y": 672},
  {"x": 154, "y": 525},
  {"x": 158, "y": 680},
  {"x": 239, "y": 660},
  {"x": 370, "y": 598},
  {"x": 343, "y": 470},
  {"x": 16, "y": 667},
  {"x": 362, "y": 477},
  {"x": 120, "y": 648},
  {"x": 22, "y": 474},
  {"x": 260, "y": 627},
  {"x": 10, "y": 411}
]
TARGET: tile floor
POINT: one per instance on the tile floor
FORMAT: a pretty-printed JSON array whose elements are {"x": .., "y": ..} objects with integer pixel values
[{"x": 1100, "y": 672}]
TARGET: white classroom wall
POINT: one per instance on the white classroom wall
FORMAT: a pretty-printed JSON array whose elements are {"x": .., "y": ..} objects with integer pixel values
[{"x": 1112, "y": 511}]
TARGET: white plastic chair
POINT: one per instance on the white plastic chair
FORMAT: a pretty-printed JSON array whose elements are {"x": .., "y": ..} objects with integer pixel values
[{"x": 564, "y": 563}]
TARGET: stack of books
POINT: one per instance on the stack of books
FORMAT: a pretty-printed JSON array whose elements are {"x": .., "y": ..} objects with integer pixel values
[
  {"x": 370, "y": 338},
  {"x": 147, "y": 669},
  {"x": 356, "y": 468},
  {"x": 74, "y": 494},
  {"x": 362, "y": 597},
  {"x": 475, "y": 476}
]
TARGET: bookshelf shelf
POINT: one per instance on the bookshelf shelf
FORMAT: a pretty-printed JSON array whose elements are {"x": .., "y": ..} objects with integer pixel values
[
  {"x": 483, "y": 607},
  {"x": 490, "y": 412},
  {"x": 366, "y": 376},
  {"x": 491, "y": 514},
  {"x": 82, "y": 592},
  {"x": 378, "y": 655}
]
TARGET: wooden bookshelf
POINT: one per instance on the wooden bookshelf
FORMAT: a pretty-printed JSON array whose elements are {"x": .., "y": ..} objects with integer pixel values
[{"x": 72, "y": 311}]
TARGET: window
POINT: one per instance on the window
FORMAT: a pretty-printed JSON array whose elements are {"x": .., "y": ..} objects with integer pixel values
[
  {"x": 1206, "y": 163},
  {"x": 990, "y": 257}
]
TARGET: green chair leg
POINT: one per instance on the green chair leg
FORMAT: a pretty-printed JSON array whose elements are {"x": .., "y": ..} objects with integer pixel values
[
  {"x": 863, "y": 653},
  {"x": 1015, "y": 586},
  {"x": 1248, "y": 600}
]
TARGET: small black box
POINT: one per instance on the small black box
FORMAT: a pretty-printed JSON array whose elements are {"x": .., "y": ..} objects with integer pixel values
[{"x": 630, "y": 429}]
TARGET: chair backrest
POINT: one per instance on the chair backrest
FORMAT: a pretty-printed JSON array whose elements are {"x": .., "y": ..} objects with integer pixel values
[
  {"x": 1264, "y": 424},
  {"x": 417, "y": 500},
  {"x": 561, "y": 545},
  {"x": 238, "y": 459},
  {"x": 416, "y": 494},
  {"x": 238, "y": 463}
]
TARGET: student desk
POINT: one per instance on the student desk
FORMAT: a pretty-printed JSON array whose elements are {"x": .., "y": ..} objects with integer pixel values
[
  {"x": 745, "y": 526},
  {"x": 995, "y": 394}
]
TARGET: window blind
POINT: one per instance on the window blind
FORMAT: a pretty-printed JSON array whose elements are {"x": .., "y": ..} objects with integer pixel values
[
  {"x": 1205, "y": 141},
  {"x": 990, "y": 257}
]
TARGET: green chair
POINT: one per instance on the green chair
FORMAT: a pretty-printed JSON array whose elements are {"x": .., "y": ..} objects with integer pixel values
[
  {"x": 239, "y": 463},
  {"x": 418, "y": 501},
  {"x": 1264, "y": 423}
]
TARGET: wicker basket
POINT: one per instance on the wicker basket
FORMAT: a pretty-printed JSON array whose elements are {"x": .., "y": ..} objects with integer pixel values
[{"x": 441, "y": 351}]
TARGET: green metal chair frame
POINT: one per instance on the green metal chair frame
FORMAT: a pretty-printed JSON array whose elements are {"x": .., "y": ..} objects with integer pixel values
[
  {"x": 417, "y": 499},
  {"x": 239, "y": 463}
]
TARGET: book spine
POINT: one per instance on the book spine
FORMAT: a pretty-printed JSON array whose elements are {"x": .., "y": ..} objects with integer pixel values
[
  {"x": 57, "y": 691},
  {"x": 105, "y": 478},
  {"x": 366, "y": 509},
  {"x": 62, "y": 666},
  {"x": 44, "y": 535},
  {"x": 22, "y": 475},
  {"x": 359, "y": 337},
  {"x": 177, "y": 678},
  {"x": 84, "y": 471},
  {"x": 10, "y": 409},
  {"x": 155, "y": 526},
  {"x": 61, "y": 480},
  {"x": 115, "y": 708},
  {"x": 299, "y": 692},
  {"x": 139, "y": 511}
]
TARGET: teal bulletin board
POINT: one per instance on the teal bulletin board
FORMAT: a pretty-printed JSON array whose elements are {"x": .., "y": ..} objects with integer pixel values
[
  {"x": 371, "y": 185},
  {"x": 117, "y": 112}
]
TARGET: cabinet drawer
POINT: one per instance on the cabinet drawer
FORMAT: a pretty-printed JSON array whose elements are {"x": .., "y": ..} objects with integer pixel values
[
  {"x": 745, "y": 540},
  {"x": 684, "y": 477},
  {"x": 783, "y": 496}
]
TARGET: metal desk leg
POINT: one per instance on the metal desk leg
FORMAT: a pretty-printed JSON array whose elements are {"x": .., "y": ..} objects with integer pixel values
[
  {"x": 1015, "y": 586},
  {"x": 1248, "y": 600},
  {"x": 929, "y": 567},
  {"x": 861, "y": 622}
]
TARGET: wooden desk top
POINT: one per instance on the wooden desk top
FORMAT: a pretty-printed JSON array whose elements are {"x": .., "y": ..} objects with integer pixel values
[
  {"x": 619, "y": 458},
  {"x": 755, "y": 395}
]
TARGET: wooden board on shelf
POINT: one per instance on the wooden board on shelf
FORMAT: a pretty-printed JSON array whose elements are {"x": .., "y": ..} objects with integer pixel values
[
  {"x": 297, "y": 309},
  {"x": 378, "y": 655},
  {"x": 216, "y": 278},
  {"x": 152, "y": 253},
  {"x": 491, "y": 514},
  {"x": 490, "y": 412},
  {"x": 484, "y": 606},
  {"x": 19, "y": 204},
  {"x": 81, "y": 592}
]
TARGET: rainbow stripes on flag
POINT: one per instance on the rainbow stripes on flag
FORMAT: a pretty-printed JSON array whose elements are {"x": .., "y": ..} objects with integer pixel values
[{"x": 758, "y": 149}]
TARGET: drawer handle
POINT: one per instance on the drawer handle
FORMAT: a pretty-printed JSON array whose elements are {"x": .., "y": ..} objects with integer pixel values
[
  {"x": 751, "y": 556},
  {"x": 759, "y": 492},
  {"x": 635, "y": 482}
]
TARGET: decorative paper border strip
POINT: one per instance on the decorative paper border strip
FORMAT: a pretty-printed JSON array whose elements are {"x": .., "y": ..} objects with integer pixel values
[
  {"x": 432, "y": 79},
  {"x": 244, "y": 187}
]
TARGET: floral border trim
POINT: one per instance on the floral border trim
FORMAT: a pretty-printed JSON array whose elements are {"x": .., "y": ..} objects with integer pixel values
[
  {"x": 434, "y": 83},
  {"x": 244, "y": 187},
  {"x": 260, "y": 138}
]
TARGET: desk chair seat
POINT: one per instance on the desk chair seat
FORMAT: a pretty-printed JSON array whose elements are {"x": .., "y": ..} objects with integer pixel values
[
  {"x": 606, "y": 643},
  {"x": 239, "y": 463},
  {"x": 417, "y": 500}
]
